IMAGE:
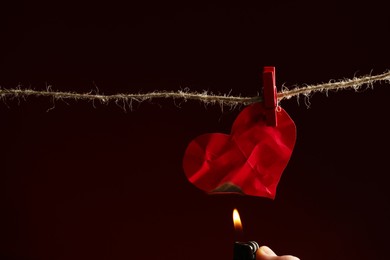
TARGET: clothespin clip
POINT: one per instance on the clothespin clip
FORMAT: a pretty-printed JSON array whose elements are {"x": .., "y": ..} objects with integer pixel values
[{"x": 270, "y": 95}]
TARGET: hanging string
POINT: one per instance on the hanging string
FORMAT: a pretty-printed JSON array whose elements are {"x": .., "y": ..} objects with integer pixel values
[
  {"x": 354, "y": 83},
  {"x": 126, "y": 100}
]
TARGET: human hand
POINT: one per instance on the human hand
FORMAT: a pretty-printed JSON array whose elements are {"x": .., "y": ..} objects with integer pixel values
[{"x": 265, "y": 253}]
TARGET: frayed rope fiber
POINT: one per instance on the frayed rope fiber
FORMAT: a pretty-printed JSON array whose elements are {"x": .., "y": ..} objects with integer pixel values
[{"x": 126, "y": 100}]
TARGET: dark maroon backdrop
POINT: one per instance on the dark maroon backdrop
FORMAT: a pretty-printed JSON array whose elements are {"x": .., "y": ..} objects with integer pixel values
[{"x": 85, "y": 182}]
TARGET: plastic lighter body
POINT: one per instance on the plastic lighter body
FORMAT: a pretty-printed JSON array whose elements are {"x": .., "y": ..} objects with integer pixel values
[{"x": 245, "y": 250}]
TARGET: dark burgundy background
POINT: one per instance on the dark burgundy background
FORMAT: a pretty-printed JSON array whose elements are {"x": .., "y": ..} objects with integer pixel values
[{"x": 85, "y": 182}]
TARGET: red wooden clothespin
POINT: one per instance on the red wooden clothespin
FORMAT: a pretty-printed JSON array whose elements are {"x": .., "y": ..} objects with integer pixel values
[{"x": 269, "y": 95}]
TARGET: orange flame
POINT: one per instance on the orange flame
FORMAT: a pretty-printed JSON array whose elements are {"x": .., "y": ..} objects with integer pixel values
[{"x": 237, "y": 221}]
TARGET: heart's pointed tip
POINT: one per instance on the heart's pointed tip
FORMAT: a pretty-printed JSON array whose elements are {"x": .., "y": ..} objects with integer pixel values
[
  {"x": 226, "y": 193},
  {"x": 228, "y": 187}
]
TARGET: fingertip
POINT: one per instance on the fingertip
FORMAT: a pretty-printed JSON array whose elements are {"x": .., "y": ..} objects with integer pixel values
[
  {"x": 265, "y": 251},
  {"x": 289, "y": 257}
]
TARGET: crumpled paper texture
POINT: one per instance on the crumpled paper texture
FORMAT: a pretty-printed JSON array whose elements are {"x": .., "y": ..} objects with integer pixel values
[{"x": 249, "y": 161}]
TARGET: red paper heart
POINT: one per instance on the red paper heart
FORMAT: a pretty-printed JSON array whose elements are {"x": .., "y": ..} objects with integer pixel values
[{"x": 249, "y": 161}]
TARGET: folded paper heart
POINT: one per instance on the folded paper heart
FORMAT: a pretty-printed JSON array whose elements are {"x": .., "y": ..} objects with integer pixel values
[{"x": 249, "y": 161}]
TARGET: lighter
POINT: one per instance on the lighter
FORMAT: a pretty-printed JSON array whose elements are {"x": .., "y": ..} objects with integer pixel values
[{"x": 245, "y": 250}]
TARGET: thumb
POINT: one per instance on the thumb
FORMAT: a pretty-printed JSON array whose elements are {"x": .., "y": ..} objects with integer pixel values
[{"x": 266, "y": 253}]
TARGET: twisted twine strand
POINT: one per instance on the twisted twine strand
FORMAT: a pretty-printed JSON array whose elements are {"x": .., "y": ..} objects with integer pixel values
[
  {"x": 205, "y": 97},
  {"x": 354, "y": 83}
]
